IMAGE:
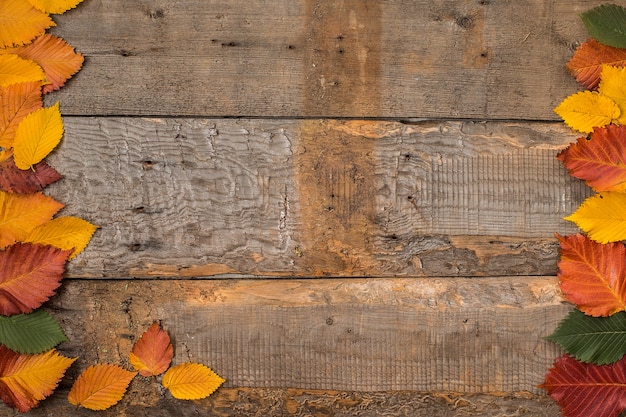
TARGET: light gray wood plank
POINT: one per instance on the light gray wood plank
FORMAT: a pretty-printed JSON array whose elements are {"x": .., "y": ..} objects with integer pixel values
[
  {"x": 462, "y": 335},
  {"x": 204, "y": 197},
  {"x": 143, "y": 401},
  {"x": 349, "y": 58}
]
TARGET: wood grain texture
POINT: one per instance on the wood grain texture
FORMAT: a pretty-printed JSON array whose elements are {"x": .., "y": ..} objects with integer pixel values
[
  {"x": 480, "y": 335},
  {"x": 205, "y": 197},
  {"x": 145, "y": 400},
  {"x": 284, "y": 58}
]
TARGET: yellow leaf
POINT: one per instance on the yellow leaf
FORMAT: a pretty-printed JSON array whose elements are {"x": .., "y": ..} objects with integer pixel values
[
  {"x": 21, "y": 213},
  {"x": 65, "y": 233},
  {"x": 100, "y": 386},
  {"x": 55, "y": 6},
  {"x": 37, "y": 135},
  {"x": 16, "y": 101},
  {"x": 20, "y": 22},
  {"x": 602, "y": 217},
  {"x": 613, "y": 85},
  {"x": 588, "y": 109},
  {"x": 14, "y": 69},
  {"x": 191, "y": 381},
  {"x": 29, "y": 379}
]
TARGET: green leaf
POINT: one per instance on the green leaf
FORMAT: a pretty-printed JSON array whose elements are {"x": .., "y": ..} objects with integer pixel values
[
  {"x": 31, "y": 333},
  {"x": 599, "y": 340},
  {"x": 607, "y": 24}
]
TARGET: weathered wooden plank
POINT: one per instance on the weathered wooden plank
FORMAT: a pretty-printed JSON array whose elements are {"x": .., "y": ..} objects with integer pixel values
[
  {"x": 479, "y": 335},
  {"x": 143, "y": 401},
  {"x": 349, "y": 58},
  {"x": 202, "y": 197}
]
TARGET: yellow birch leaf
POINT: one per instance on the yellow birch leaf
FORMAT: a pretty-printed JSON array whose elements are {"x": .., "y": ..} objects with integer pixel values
[
  {"x": 191, "y": 381},
  {"x": 20, "y": 22},
  {"x": 27, "y": 379},
  {"x": 588, "y": 109},
  {"x": 21, "y": 213},
  {"x": 55, "y": 6},
  {"x": 613, "y": 85},
  {"x": 602, "y": 217},
  {"x": 100, "y": 386},
  {"x": 65, "y": 233},
  {"x": 37, "y": 135},
  {"x": 14, "y": 69},
  {"x": 16, "y": 101}
]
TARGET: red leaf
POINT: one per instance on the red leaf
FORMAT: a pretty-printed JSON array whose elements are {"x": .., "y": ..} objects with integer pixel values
[
  {"x": 599, "y": 160},
  {"x": 152, "y": 354},
  {"x": 586, "y": 63},
  {"x": 593, "y": 275},
  {"x": 583, "y": 389},
  {"x": 15, "y": 180},
  {"x": 29, "y": 275}
]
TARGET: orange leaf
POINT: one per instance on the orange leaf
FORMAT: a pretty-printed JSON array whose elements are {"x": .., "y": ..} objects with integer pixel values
[
  {"x": 15, "y": 180},
  {"x": 58, "y": 60},
  {"x": 593, "y": 275},
  {"x": 55, "y": 6},
  {"x": 191, "y": 381},
  {"x": 586, "y": 63},
  {"x": 599, "y": 160},
  {"x": 27, "y": 379},
  {"x": 66, "y": 233},
  {"x": 100, "y": 386},
  {"x": 29, "y": 275},
  {"x": 20, "y": 22},
  {"x": 16, "y": 101},
  {"x": 20, "y": 214},
  {"x": 152, "y": 353}
]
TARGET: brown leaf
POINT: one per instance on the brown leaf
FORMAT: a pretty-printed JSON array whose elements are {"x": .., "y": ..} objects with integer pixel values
[{"x": 15, "y": 180}]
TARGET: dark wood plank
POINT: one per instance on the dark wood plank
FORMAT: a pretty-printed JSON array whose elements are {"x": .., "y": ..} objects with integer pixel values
[
  {"x": 143, "y": 400},
  {"x": 204, "y": 197},
  {"x": 480, "y": 335},
  {"x": 284, "y": 58}
]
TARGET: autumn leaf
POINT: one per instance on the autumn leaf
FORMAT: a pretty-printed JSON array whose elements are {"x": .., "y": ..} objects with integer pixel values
[
  {"x": 598, "y": 340},
  {"x": 191, "y": 381},
  {"x": 37, "y": 135},
  {"x": 607, "y": 24},
  {"x": 55, "y": 6},
  {"x": 602, "y": 217},
  {"x": 14, "y": 70},
  {"x": 588, "y": 109},
  {"x": 152, "y": 353},
  {"x": 36, "y": 332},
  {"x": 20, "y": 23},
  {"x": 16, "y": 101},
  {"x": 29, "y": 275},
  {"x": 15, "y": 180},
  {"x": 66, "y": 233},
  {"x": 599, "y": 159},
  {"x": 58, "y": 60},
  {"x": 584, "y": 390},
  {"x": 586, "y": 63},
  {"x": 27, "y": 379},
  {"x": 593, "y": 276},
  {"x": 100, "y": 386},
  {"x": 20, "y": 214},
  {"x": 612, "y": 85}
]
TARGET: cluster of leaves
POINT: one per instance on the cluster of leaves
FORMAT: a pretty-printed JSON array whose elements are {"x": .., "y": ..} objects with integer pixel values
[
  {"x": 103, "y": 385},
  {"x": 34, "y": 247},
  {"x": 590, "y": 378}
]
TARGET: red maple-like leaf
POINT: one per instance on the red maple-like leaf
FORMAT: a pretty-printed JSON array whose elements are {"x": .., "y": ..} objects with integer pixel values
[
  {"x": 15, "y": 180},
  {"x": 584, "y": 389},
  {"x": 586, "y": 63},
  {"x": 29, "y": 275},
  {"x": 152, "y": 353},
  {"x": 599, "y": 159},
  {"x": 593, "y": 276}
]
